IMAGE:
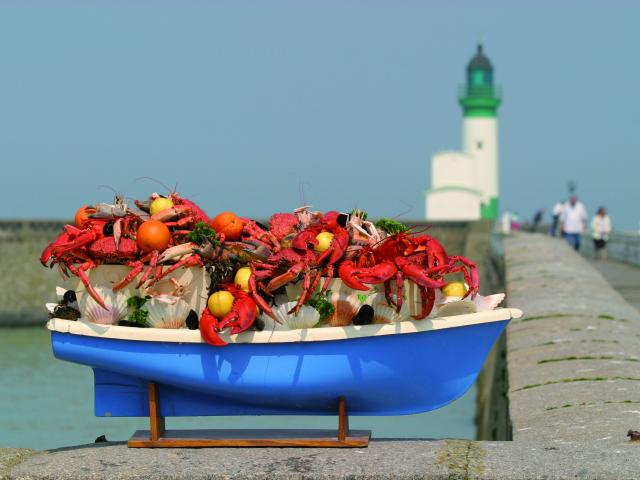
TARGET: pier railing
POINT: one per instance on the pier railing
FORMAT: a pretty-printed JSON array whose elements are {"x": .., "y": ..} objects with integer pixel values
[{"x": 622, "y": 246}]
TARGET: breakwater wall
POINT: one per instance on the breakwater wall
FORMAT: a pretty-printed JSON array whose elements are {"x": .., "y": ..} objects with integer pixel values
[
  {"x": 569, "y": 373},
  {"x": 26, "y": 285}
]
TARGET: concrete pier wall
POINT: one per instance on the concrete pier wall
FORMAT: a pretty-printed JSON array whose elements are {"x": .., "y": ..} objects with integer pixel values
[{"x": 572, "y": 381}]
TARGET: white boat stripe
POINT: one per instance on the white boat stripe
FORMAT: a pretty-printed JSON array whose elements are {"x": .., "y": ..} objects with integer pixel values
[{"x": 83, "y": 327}]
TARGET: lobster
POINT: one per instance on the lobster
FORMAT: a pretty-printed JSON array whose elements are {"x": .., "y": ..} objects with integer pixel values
[
  {"x": 421, "y": 259},
  {"x": 241, "y": 317}
]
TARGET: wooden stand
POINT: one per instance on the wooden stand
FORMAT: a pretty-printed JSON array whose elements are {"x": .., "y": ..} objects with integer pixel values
[{"x": 159, "y": 437}]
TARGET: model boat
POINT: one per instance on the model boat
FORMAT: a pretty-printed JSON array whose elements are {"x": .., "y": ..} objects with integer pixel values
[{"x": 393, "y": 369}]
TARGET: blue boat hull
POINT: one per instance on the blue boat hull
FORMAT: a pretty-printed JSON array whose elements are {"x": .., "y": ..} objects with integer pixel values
[{"x": 379, "y": 375}]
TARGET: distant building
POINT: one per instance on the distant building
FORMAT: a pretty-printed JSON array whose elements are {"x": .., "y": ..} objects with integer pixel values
[{"x": 464, "y": 185}]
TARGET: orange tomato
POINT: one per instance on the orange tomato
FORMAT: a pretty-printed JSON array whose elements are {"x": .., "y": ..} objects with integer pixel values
[
  {"x": 82, "y": 219},
  {"x": 153, "y": 235},
  {"x": 229, "y": 224}
]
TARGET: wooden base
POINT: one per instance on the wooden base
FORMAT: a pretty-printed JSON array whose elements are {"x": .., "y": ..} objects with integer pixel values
[
  {"x": 159, "y": 437},
  {"x": 249, "y": 438}
]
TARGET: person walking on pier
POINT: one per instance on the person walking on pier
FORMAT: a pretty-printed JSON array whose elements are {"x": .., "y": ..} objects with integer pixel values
[
  {"x": 573, "y": 220},
  {"x": 556, "y": 211},
  {"x": 600, "y": 230}
]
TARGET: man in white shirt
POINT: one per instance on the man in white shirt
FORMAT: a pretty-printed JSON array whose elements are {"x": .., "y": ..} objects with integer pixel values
[{"x": 573, "y": 220}]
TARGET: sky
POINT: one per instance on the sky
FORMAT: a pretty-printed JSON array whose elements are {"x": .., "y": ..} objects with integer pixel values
[{"x": 262, "y": 106}]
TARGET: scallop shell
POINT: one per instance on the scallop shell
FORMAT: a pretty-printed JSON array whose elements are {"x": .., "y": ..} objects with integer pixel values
[
  {"x": 307, "y": 317},
  {"x": 294, "y": 290},
  {"x": 449, "y": 306},
  {"x": 270, "y": 324},
  {"x": 60, "y": 291},
  {"x": 490, "y": 302},
  {"x": 166, "y": 312},
  {"x": 379, "y": 302},
  {"x": 457, "y": 307},
  {"x": 385, "y": 314},
  {"x": 346, "y": 307},
  {"x": 116, "y": 303}
]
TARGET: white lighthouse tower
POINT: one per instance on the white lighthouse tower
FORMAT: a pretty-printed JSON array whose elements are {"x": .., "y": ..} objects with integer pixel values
[{"x": 464, "y": 185}]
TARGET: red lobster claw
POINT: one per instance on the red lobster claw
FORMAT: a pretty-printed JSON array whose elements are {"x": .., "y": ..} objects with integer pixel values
[
  {"x": 346, "y": 273},
  {"x": 418, "y": 274},
  {"x": 209, "y": 329},
  {"x": 242, "y": 314},
  {"x": 356, "y": 277}
]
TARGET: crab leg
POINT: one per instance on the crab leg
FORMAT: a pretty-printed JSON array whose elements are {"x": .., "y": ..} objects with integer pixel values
[
  {"x": 80, "y": 272},
  {"x": 136, "y": 268},
  {"x": 306, "y": 284},
  {"x": 264, "y": 306},
  {"x": 152, "y": 264},
  {"x": 188, "y": 261}
]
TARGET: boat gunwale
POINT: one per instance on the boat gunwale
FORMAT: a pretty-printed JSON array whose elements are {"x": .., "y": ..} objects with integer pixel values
[{"x": 82, "y": 327}]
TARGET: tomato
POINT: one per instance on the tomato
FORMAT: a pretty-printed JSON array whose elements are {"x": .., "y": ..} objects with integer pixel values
[
  {"x": 229, "y": 224},
  {"x": 153, "y": 235},
  {"x": 82, "y": 219}
]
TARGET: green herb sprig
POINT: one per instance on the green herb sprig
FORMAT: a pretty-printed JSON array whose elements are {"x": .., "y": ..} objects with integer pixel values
[
  {"x": 137, "y": 316},
  {"x": 390, "y": 226},
  {"x": 203, "y": 234},
  {"x": 324, "y": 307}
]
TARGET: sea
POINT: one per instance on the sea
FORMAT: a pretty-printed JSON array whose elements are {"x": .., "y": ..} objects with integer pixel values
[{"x": 46, "y": 403}]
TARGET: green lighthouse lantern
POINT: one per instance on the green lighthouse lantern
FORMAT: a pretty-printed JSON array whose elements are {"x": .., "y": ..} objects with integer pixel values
[{"x": 479, "y": 97}]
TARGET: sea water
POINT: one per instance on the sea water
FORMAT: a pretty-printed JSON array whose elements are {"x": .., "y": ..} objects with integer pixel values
[{"x": 48, "y": 403}]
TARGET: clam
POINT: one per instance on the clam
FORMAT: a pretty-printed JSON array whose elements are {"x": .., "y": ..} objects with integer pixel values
[
  {"x": 116, "y": 303},
  {"x": 166, "y": 311}
]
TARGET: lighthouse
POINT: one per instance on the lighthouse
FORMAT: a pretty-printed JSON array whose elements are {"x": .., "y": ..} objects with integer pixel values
[{"x": 464, "y": 185}]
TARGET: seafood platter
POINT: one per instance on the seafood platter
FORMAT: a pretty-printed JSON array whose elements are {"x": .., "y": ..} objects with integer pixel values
[{"x": 183, "y": 314}]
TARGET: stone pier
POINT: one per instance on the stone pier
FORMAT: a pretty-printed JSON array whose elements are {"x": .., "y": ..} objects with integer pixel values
[{"x": 571, "y": 381}]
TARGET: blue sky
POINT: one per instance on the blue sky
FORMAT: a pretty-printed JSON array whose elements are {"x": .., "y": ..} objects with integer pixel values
[{"x": 258, "y": 107}]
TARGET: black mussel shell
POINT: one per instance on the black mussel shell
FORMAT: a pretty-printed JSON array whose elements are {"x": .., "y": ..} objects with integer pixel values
[
  {"x": 192, "y": 321},
  {"x": 65, "y": 312},
  {"x": 107, "y": 230},
  {"x": 127, "y": 323},
  {"x": 68, "y": 297},
  {"x": 364, "y": 315},
  {"x": 343, "y": 219},
  {"x": 258, "y": 324}
]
